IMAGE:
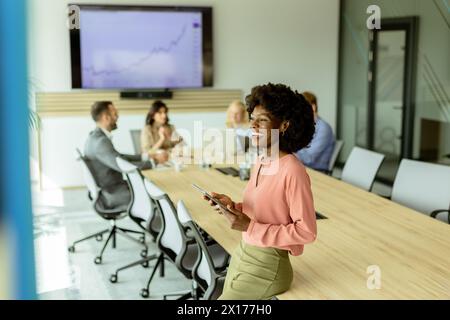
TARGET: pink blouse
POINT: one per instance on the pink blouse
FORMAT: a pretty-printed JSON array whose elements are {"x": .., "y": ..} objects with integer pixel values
[{"x": 281, "y": 206}]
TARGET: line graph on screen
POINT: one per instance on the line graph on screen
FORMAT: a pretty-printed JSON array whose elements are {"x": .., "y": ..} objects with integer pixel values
[{"x": 141, "y": 49}]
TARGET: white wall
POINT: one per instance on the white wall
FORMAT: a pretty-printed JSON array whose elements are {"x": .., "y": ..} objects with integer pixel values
[
  {"x": 60, "y": 137},
  {"x": 255, "y": 41}
]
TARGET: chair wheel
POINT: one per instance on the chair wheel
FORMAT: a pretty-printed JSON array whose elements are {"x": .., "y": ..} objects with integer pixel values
[
  {"x": 145, "y": 264},
  {"x": 142, "y": 239},
  {"x": 144, "y": 253},
  {"x": 113, "y": 278},
  {"x": 144, "y": 293},
  {"x": 71, "y": 249},
  {"x": 98, "y": 260},
  {"x": 99, "y": 237}
]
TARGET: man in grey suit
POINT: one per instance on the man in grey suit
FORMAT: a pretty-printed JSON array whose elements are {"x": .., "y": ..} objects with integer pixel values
[{"x": 101, "y": 157}]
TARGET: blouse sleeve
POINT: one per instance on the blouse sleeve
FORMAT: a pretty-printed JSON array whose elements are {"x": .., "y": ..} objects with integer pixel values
[
  {"x": 147, "y": 140},
  {"x": 302, "y": 229},
  {"x": 173, "y": 137}
]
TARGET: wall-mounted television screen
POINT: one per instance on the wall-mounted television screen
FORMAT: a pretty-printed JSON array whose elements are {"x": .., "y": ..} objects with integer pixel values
[{"x": 142, "y": 47}]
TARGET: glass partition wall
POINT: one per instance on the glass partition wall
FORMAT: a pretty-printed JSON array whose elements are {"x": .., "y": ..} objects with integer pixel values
[{"x": 394, "y": 82}]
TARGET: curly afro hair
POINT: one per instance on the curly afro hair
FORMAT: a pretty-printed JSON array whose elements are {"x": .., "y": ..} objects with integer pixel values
[{"x": 285, "y": 104}]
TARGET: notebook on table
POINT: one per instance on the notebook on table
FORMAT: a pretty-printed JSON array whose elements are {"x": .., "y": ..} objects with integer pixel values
[{"x": 229, "y": 171}]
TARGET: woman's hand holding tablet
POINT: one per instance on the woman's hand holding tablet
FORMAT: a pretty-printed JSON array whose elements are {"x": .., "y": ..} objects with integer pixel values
[{"x": 216, "y": 199}]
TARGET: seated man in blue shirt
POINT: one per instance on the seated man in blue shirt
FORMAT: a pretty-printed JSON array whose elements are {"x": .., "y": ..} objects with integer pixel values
[{"x": 317, "y": 156}]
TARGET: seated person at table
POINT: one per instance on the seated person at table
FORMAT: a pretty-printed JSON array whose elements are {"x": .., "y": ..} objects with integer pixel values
[
  {"x": 317, "y": 156},
  {"x": 237, "y": 119},
  {"x": 158, "y": 133},
  {"x": 101, "y": 156}
]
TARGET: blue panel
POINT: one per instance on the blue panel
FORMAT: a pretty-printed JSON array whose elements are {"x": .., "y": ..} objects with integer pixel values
[{"x": 14, "y": 170}]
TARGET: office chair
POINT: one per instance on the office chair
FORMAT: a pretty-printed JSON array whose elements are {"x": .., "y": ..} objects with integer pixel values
[
  {"x": 174, "y": 245},
  {"x": 337, "y": 149},
  {"x": 204, "y": 273},
  {"x": 142, "y": 211},
  {"x": 136, "y": 139},
  {"x": 424, "y": 187},
  {"x": 94, "y": 195},
  {"x": 361, "y": 168}
]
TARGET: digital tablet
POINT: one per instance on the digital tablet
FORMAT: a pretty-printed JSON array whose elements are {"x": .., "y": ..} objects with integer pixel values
[{"x": 210, "y": 197}]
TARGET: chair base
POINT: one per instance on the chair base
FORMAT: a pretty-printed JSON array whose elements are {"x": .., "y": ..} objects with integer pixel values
[
  {"x": 143, "y": 262},
  {"x": 194, "y": 293},
  {"x": 112, "y": 232},
  {"x": 145, "y": 292}
]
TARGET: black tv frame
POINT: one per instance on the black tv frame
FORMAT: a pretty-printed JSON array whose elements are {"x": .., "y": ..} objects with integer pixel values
[{"x": 207, "y": 39}]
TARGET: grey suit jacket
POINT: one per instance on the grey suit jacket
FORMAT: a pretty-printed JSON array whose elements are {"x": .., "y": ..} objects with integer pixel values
[{"x": 101, "y": 157}]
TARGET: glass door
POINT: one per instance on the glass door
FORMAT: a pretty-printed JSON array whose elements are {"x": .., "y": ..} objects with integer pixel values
[
  {"x": 388, "y": 126},
  {"x": 391, "y": 102}
]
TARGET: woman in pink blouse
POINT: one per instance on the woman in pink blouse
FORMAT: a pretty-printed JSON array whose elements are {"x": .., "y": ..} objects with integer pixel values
[{"x": 277, "y": 215}]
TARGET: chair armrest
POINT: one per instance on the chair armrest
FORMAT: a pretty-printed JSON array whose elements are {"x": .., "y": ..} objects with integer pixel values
[
  {"x": 210, "y": 241},
  {"x": 222, "y": 274},
  {"x": 435, "y": 213},
  {"x": 190, "y": 241},
  {"x": 99, "y": 192},
  {"x": 206, "y": 237},
  {"x": 189, "y": 236}
]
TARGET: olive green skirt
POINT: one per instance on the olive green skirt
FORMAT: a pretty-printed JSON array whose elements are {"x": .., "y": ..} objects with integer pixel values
[{"x": 257, "y": 273}]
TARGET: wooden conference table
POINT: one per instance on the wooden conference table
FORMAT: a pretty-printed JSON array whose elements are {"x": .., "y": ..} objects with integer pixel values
[{"x": 365, "y": 236}]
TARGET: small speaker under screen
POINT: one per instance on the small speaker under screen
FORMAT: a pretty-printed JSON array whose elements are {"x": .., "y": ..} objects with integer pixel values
[{"x": 166, "y": 94}]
